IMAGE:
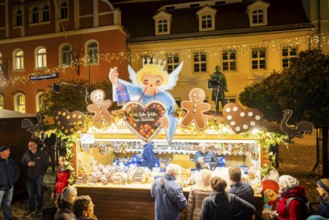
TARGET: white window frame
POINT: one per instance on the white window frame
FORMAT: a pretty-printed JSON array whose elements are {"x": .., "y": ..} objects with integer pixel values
[
  {"x": 64, "y": 10},
  {"x": 2, "y": 102},
  {"x": 46, "y": 13},
  {"x": 19, "y": 18},
  {"x": 40, "y": 57},
  {"x": 258, "y": 59},
  {"x": 173, "y": 61},
  {"x": 200, "y": 62},
  {"x": 38, "y": 98},
  {"x": 285, "y": 57},
  {"x": 162, "y": 23},
  {"x": 35, "y": 15},
  {"x": 92, "y": 52},
  {"x": 206, "y": 15},
  {"x": 18, "y": 59},
  {"x": 228, "y": 62},
  {"x": 65, "y": 56},
  {"x": 257, "y": 7},
  {"x": 20, "y": 107}
]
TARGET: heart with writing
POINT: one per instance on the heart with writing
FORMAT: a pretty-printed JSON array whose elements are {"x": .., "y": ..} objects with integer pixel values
[
  {"x": 68, "y": 122},
  {"x": 241, "y": 120},
  {"x": 144, "y": 120}
]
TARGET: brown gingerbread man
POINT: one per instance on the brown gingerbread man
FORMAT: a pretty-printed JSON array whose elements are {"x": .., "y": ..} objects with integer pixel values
[
  {"x": 100, "y": 106},
  {"x": 195, "y": 109}
]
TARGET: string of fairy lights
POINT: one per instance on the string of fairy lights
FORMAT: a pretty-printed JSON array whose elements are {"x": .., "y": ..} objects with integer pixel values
[{"x": 243, "y": 48}]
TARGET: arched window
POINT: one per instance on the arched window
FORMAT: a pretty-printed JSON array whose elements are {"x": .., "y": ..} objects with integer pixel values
[
  {"x": 92, "y": 52},
  {"x": 66, "y": 54},
  {"x": 41, "y": 58},
  {"x": 45, "y": 13},
  {"x": 19, "y": 18},
  {"x": 35, "y": 15},
  {"x": 2, "y": 102},
  {"x": 19, "y": 102},
  {"x": 18, "y": 60},
  {"x": 39, "y": 101},
  {"x": 64, "y": 11}
]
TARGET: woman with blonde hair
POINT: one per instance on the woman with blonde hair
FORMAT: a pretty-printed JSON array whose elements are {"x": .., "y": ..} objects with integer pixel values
[
  {"x": 200, "y": 190},
  {"x": 64, "y": 203}
]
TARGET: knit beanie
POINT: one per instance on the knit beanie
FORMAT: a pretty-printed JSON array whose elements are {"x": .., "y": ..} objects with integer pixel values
[
  {"x": 324, "y": 184},
  {"x": 3, "y": 148},
  {"x": 270, "y": 184},
  {"x": 287, "y": 182},
  {"x": 67, "y": 191}
]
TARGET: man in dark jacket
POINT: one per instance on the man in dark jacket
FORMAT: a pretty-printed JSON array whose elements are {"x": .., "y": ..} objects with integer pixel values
[
  {"x": 149, "y": 158},
  {"x": 9, "y": 173},
  {"x": 36, "y": 162},
  {"x": 168, "y": 195}
]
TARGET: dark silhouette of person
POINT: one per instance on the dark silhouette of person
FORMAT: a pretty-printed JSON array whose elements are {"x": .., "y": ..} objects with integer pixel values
[{"x": 218, "y": 93}]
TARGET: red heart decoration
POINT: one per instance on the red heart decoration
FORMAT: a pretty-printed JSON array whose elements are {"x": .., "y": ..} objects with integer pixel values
[
  {"x": 241, "y": 120},
  {"x": 68, "y": 122},
  {"x": 144, "y": 121}
]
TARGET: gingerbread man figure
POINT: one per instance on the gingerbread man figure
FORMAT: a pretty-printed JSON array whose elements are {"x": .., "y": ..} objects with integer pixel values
[
  {"x": 195, "y": 109},
  {"x": 100, "y": 106}
]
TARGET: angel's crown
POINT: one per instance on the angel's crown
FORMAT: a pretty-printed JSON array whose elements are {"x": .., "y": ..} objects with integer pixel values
[{"x": 155, "y": 64}]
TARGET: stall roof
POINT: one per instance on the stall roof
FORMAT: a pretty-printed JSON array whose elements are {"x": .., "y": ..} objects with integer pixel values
[{"x": 4, "y": 113}]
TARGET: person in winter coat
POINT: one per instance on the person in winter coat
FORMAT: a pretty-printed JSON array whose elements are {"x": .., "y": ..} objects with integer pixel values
[
  {"x": 168, "y": 195},
  {"x": 9, "y": 174},
  {"x": 200, "y": 190},
  {"x": 149, "y": 158},
  {"x": 323, "y": 208},
  {"x": 223, "y": 205},
  {"x": 83, "y": 208},
  {"x": 289, "y": 187},
  {"x": 62, "y": 177},
  {"x": 64, "y": 203}
]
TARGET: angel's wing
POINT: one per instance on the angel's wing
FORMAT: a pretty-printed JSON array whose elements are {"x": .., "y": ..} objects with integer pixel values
[
  {"x": 172, "y": 78},
  {"x": 132, "y": 75}
]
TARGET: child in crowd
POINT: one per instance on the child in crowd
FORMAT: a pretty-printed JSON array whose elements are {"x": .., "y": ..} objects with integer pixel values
[
  {"x": 83, "y": 208},
  {"x": 62, "y": 177},
  {"x": 323, "y": 208}
]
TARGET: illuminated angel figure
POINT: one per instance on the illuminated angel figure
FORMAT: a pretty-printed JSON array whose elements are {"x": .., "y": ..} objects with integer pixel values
[{"x": 149, "y": 84}]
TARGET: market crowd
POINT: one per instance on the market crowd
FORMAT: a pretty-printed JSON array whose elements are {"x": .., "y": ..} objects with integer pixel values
[{"x": 211, "y": 197}]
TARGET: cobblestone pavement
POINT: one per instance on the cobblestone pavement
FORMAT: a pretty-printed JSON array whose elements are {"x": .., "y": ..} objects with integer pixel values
[{"x": 297, "y": 160}]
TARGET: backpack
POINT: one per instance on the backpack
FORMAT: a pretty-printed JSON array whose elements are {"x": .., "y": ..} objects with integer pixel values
[{"x": 307, "y": 206}]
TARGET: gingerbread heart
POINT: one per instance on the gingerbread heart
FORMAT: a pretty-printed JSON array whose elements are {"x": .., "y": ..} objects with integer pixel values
[
  {"x": 68, "y": 122},
  {"x": 241, "y": 120},
  {"x": 144, "y": 121}
]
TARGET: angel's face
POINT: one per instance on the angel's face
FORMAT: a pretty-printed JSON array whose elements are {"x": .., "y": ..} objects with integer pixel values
[{"x": 152, "y": 81}]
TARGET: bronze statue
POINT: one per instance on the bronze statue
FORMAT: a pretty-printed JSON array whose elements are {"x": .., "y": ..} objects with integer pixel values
[{"x": 221, "y": 87}]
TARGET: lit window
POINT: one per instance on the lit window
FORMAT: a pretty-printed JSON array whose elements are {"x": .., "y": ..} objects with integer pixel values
[
  {"x": 92, "y": 50},
  {"x": 287, "y": 53},
  {"x": 163, "y": 26},
  {"x": 66, "y": 55},
  {"x": 229, "y": 60},
  {"x": 2, "y": 102},
  {"x": 200, "y": 62},
  {"x": 39, "y": 101},
  {"x": 206, "y": 22},
  {"x": 19, "y": 60},
  {"x": 19, "y": 100},
  {"x": 258, "y": 59},
  {"x": 257, "y": 16},
  {"x": 35, "y": 15},
  {"x": 45, "y": 13},
  {"x": 172, "y": 62},
  {"x": 19, "y": 18},
  {"x": 41, "y": 58},
  {"x": 64, "y": 13}
]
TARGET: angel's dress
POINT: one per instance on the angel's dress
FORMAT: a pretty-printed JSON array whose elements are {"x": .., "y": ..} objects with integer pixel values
[{"x": 164, "y": 97}]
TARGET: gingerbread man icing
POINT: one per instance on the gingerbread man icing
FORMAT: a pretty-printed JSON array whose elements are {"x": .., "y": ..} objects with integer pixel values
[
  {"x": 195, "y": 109},
  {"x": 100, "y": 106}
]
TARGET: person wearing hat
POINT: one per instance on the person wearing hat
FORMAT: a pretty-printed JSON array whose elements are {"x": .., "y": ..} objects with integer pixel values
[
  {"x": 323, "y": 208},
  {"x": 289, "y": 187},
  {"x": 9, "y": 174},
  {"x": 36, "y": 163},
  {"x": 64, "y": 203}
]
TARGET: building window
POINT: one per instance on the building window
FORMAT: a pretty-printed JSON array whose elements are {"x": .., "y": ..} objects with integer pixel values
[
  {"x": 206, "y": 22},
  {"x": 172, "y": 62},
  {"x": 92, "y": 50},
  {"x": 19, "y": 18},
  {"x": 230, "y": 99},
  {"x": 2, "y": 102},
  {"x": 45, "y": 13},
  {"x": 257, "y": 16},
  {"x": 64, "y": 11},
  {"x": 35, "y": 15},
  {"x": 163, "y": 26},
  {"x": 66, "y": 55},
  {"x": 287, "y": 53},
  {"x": 19, "y": 60},
  {"x": 200, "y": 62},
  {"x": 41, "y": 58},
  {"x": 229, "y": 60},
  {"x": 39, "y": 101},
  {"x": 19, "y": 101},
  {"x": 258, "y": 59}
]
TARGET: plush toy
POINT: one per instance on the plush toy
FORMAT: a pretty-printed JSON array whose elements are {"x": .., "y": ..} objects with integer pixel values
[{"x": 270, "y": 190}]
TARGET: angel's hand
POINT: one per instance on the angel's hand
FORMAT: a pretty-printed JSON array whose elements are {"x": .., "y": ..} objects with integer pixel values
[
  {"x": 113, "y": 75},
  {"x": 164, "y": 123}
]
